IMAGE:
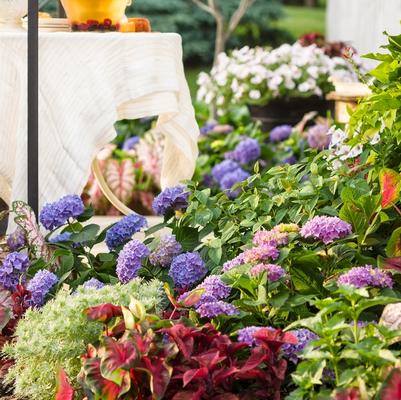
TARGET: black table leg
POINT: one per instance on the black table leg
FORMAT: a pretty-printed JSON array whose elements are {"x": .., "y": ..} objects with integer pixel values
[{"x": 33, "y": 106}]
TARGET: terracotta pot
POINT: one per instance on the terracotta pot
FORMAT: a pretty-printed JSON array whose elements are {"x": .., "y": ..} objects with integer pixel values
[
  {"x": 289, "y": 111},
  {"x": 82, "y": 11}
]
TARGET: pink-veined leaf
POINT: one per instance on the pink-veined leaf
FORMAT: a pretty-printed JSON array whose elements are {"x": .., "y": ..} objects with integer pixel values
[
  {"x": 103, "y": 312},
  {"x": 391, "y": 388},
  {"x": 26, "y": 220},
  {"x": 64, "y": 389},
  {"x": 120, "y": 176},
  {"x": 390, "y": 186}
]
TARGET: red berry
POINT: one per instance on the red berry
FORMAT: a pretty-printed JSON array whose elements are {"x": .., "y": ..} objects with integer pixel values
[
  {"x": 107, "y": 22},
  {"x": 91, "y": 22},
  {"x": 117, "y": 26},
  {"x": 83, "y": 27}
]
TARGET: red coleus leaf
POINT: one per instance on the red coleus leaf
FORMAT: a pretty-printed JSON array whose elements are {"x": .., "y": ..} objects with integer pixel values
[
  {"x": 190, "y": 395},
  {"x": 194, "y": 374},
  {"x": 391, "y": 388},
  {"x": 392, "y": 263},
  {"x": 103, "y": 313},
  {"x": 349, "y": 394},
  {"x": 226, "y": 396},
  {"x": 210, "y": 358},
  {"x": 183, "y": 337},
  {"x": 160, "y": 374},
  {"x": 390, "y": 186},
  {"x": 274, "y": 338},
  {"x": 222, "y": 375},
  {"x": 258, "y": 355},
  {"x": 64, "y": 390}
]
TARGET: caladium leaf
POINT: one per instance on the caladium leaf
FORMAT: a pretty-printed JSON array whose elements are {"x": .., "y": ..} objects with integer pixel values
[
  {"x": 103, "y": 312},
  {"x": 26, "y": 220},
  {"x": 392, "y": 263},
  {"x": 120, "y": 176},
  {"x": 390, "y": 186},
  {"x": 193, "y": 297},
  {"x": 6, "y": 306},
  {"x": 391, "y": 388},
  {"x": 64, "y": 389}
]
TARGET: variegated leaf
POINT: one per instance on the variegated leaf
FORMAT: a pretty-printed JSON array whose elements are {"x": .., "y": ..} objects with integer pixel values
[{"x": 120, "y": 176}]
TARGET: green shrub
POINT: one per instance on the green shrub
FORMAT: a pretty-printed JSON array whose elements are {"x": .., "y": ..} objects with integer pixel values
[{"x": 56, "y": 335}]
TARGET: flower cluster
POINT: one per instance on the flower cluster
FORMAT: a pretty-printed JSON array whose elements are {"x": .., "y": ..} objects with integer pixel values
[
  {"x": 187, "y": 269},
  {"x": 257, "y": 75},
  {"x": 214, "y": 127},
  {"x": 366, "y": 276},
  {"x": 326, "y": 229},
  {"x": 40, "y": 285},
  {"x": 274, "y": 272},
  {"x": 318, "y": 136},
  {"x": 280, "y": 133},
  {"x": 54, "y": 215},
  {"x": 62, "y": 237},
  {"x": 304, "y": 336},
  {"x": 271, "y": 238},
  {"x": 171, "y": 199},
  {"x": 215, "y": 308},
  {"x": 16, "y": 240},
  {"x": 261, "y": 253},
  {"x": 11, "y": 272},
  {"x": 235, "y": 262},
  {"x": 93, "y": 283},
  {"x": 123, "y": 230},
  {"x": 166, "y": 250},
  {"x": 129, "y": 260},
  {"x": 130, "y": 143},
  {"x": 246, "y": 151},
  {"x": 246, "y": 335}
]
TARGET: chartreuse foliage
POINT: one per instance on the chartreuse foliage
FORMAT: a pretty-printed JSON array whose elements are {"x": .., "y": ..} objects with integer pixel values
[{"x": 55, "y": 336}]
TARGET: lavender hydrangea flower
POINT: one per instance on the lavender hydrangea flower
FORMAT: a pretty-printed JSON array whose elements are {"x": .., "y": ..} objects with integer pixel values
[
  {"x": 123, "y": 230},
  {"x": 215, "y": 287},
  {"x": 187, "y": 269},
  {"x": 54, "y": 215},
  {"x": 304, "y": 336},
  {"x": 130, "y": 143},
  {"x": 208, "y": 127},
  {"x": 235, "y": 262},
  {"x": 93, "y": 283},
  {"x": 62, "y": 237},
  {"x": 246, "y": 335},
  {"x": 40, "y": 285},
  {"x": 216, "y": 308},
  {"x": 224, "y": 168},
  {"x": 232, "y": 178},
  {"x": 280, "y": 133},
  {"x": 14, "y": 266},
  {"x": 326, "y": 229},
  {"x": 16, "y": 240},
  {"x": 261, "y": 253},
  {"x": 246, "y": 151},
  {"x": 364, "y": 276},
  {"x": 318, "y": 137},
  {"x": 171, "y": 199},
  {"x": 129, "y": 260},
  {"x": 165, "y": 251},
  {"x": 207, "y": 180},
  {"x": 274, "y": 272},
  {"x": 273, "y": 238},
  {"x": 289, "y": 160}
]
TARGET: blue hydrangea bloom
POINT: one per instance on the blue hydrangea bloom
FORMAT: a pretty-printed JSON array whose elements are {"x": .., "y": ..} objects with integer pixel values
[
  {"x": 215, "y": 287},
  {"x": 171, "y": 199},
  {"x": 165, "y": 251},
  {"x": 123, "y": 230},
  {"x": 62, "y": 237},
  {"x": 247, "y": 150},
  {"x": 40, "y": 285},
  {"x": 230, "y": 179},
  {"x": 280, "y": 133},
  {"x": 304, "y": 336},
  {"x": 54, "y": 215},
  {"x": 130, "y": 143},
  {"x": 290, "y": 160},
  {"x": 14, "y": 266},
  {"x": 187, "y": 269},
  {"x": 216, "y": 308},
  {"x": 16, "y": 240},
  {"x": 129, "y": 260},
  {"x": 224, "y": 168},
  {"x": 93, "y": 283},
  {"x": 208, "y": 127}
]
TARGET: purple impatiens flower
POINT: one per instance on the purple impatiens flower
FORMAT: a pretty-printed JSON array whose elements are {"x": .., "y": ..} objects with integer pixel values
[
  {"x": 360, "y": 277},
  {"x": 171, "y": 199},
  {"x": 123, "y": 230},
  {"x": 129, "y": 260},
  {"x": 216, "y": 308},
  {"x": 280, "y": 133},
  {"x": 54, "y": 215},
  {"x": 304, "y": 336},
  {"x": 11, "y": 272},
  {"x": 166, "y": 250},
  {"x": 326, "y": 229},
  {"x": 246, "y": 151},
  {"x": 40, "y": 285},
  {"x": 187, "y": 269}
]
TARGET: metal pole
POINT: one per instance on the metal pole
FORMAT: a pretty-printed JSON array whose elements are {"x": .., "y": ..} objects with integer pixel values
[{"x": 33, "y": 106}]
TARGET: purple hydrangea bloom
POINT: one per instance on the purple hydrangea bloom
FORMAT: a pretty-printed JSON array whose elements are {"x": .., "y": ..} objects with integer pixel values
[
  {"x": 14, "y": 265},
  {"x": 129, "y": 260},
  {"x": 318, "y": 137},
  {"x": 246, "y": 335},
  {"x": 290, "y": 160},
  {"x": 61, "y": 238},
  {"x": 165, "y": 251},
  {"x": 232, "y": 178},
  {"x": 304, "y": 336},
  {"x": 235, "y": 262},
  {"x": 274, "y": 272},
  {"x": 171, "y": 199},
  {"x": 261, "y": 253},
  {"x": 207, "y": 180},
  {"x": 326, "y": 229},
  {"x": 54, "y": 215},
  {"x": 215, "y": 287},
  {"x": 16, "y": 240},
  {"x": 366, "y": 276},
  {"x": 280, "y": 133},
  {"x": 187, "y": 269},
  {"x": 224, "y": 168},
  {"x": 130, "y": 143},
  {"x": 208, "y": 127},
  {"x": 216, "y": 308},
  {"x": 273, "y": 238},
  {"x": 246, "y": 151},
  {"x": 93, "y": 283},
  {"x": 123, "y": 230},
  {"x": 40, "y": 286}
]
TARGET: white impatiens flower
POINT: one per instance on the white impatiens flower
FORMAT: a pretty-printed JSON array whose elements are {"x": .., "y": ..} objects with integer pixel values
[
  {"x": 255, "y": 94},
  {"x": 375, "y": 139}
]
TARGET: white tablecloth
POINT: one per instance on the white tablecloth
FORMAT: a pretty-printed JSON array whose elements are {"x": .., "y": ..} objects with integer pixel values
[{"x": 87, "y": 82}]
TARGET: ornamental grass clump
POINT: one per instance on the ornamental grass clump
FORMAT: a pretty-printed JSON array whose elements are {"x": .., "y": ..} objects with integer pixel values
[{"x": 56, "y": 335}]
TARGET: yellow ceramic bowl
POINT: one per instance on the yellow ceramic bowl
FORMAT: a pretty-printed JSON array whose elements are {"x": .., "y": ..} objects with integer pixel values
[{"x": 85, "y": 13}]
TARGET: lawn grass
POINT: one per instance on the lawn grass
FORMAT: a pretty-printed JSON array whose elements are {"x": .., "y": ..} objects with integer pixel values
[{"x": 300, "y": 20}]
